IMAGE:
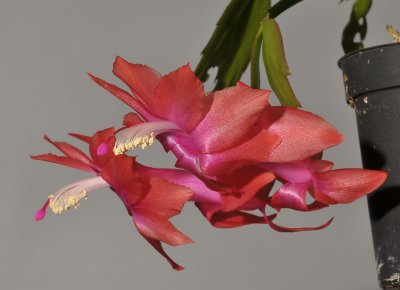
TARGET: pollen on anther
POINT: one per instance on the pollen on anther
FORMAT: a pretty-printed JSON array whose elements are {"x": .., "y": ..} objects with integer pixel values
[
  {"x": 63, "y": 202},
  {"x": 138, "y": 141}
]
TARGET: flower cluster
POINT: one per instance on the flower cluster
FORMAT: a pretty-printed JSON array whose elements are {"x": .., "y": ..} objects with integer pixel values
[{"x": 231, "y": 146}]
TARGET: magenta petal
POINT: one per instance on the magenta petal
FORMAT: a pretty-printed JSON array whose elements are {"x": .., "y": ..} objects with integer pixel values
[
  {"x": 201, "y": 193},
  {"x": 294, "y": 172},
  {"x": 291, "y": 195},
  {"x": 183, "y": 148},
  {"x": 102, "y": 149},
  {"x": 41, "y": 213}
]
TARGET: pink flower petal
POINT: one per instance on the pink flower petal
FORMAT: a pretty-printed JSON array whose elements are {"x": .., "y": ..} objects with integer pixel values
[
  {"x": 254, "y": 150},
  {"x": 346, "y": 185},
  {"x": 230, "y": 121},
  {"x": 141, "y": 79},
  {"x": 291, "y": 195},
  {"x": 183, "y": 148},
  {"x": 179, "y": 98},
  {"x": 303, "y": 134},
  {"x": 201, "y": 192},
  {"x": 294, "y": 172}
]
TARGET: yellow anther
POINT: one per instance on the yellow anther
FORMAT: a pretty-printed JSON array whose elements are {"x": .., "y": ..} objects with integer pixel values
[
  {"x": 139, "y": 141},
  {"x": 66, "y": 200}
]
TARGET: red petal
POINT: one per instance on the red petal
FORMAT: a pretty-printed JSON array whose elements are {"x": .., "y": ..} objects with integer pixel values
[
  {"x": 321, "y": 165},
  {"x": 235, "y": 219},
  {"x": 245, "y": 183},
  {"x": 290, "y": 230},
  {"x": 70, "y": 151},
  {"x": 123, "y": 96},
  {"x": 154, "y": 225},
  {"x": 157, "y": 245},
  {"x": 81, "y": 137},
  {"x": 291, "y": 195},
  {"x": 346, "y": 185},
  {"x": 254, "y": 150},
  {"x": 132, "y": 119},
  {"x": 303, "y": 134},
  {"x": 105, "y": 136},
  {"x": 232, "y": 219},
  {"x": 179, "y": 97},
  {"x": 66, "y": 161},
  {"x": 165, "y": 197},
  {"x": 141, "y": 79},
  {"x": 120, "y": 174},
  {"x": 231, "y": 118}
]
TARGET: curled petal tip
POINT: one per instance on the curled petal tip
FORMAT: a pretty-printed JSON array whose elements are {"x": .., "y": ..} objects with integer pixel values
[{"x": 102, "y": 149}]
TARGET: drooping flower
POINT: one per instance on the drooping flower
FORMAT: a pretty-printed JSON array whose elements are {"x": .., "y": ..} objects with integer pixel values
[
  {"x": 150, "y": 199},
  {"x": 216, "y": 132},
  {"x": 326, "y": 185}
]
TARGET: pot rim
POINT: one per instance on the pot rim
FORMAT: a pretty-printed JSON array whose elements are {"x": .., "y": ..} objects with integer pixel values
[{"x": 341, "y": 60}]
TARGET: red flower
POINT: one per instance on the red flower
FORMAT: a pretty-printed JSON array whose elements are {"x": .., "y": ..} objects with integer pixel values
[
  {"x": 150, "y": 199},
  {"x": 217, "y": 132}
]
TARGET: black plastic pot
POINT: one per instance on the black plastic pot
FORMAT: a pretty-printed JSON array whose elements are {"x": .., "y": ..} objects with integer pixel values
[{"x": 372, "y": 86}]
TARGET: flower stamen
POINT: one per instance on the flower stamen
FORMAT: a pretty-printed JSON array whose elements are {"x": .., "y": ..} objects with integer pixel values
[
  {"x": 141, "y": 135},
  {"x": 64, "y": 202},
  {"x": 71, "y": 195}
]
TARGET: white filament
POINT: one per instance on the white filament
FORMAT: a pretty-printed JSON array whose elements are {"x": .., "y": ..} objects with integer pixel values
[{"x": 71, "y": 195}]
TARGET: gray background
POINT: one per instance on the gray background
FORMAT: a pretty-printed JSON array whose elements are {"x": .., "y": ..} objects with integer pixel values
[{"x": 46, "y": 47}]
